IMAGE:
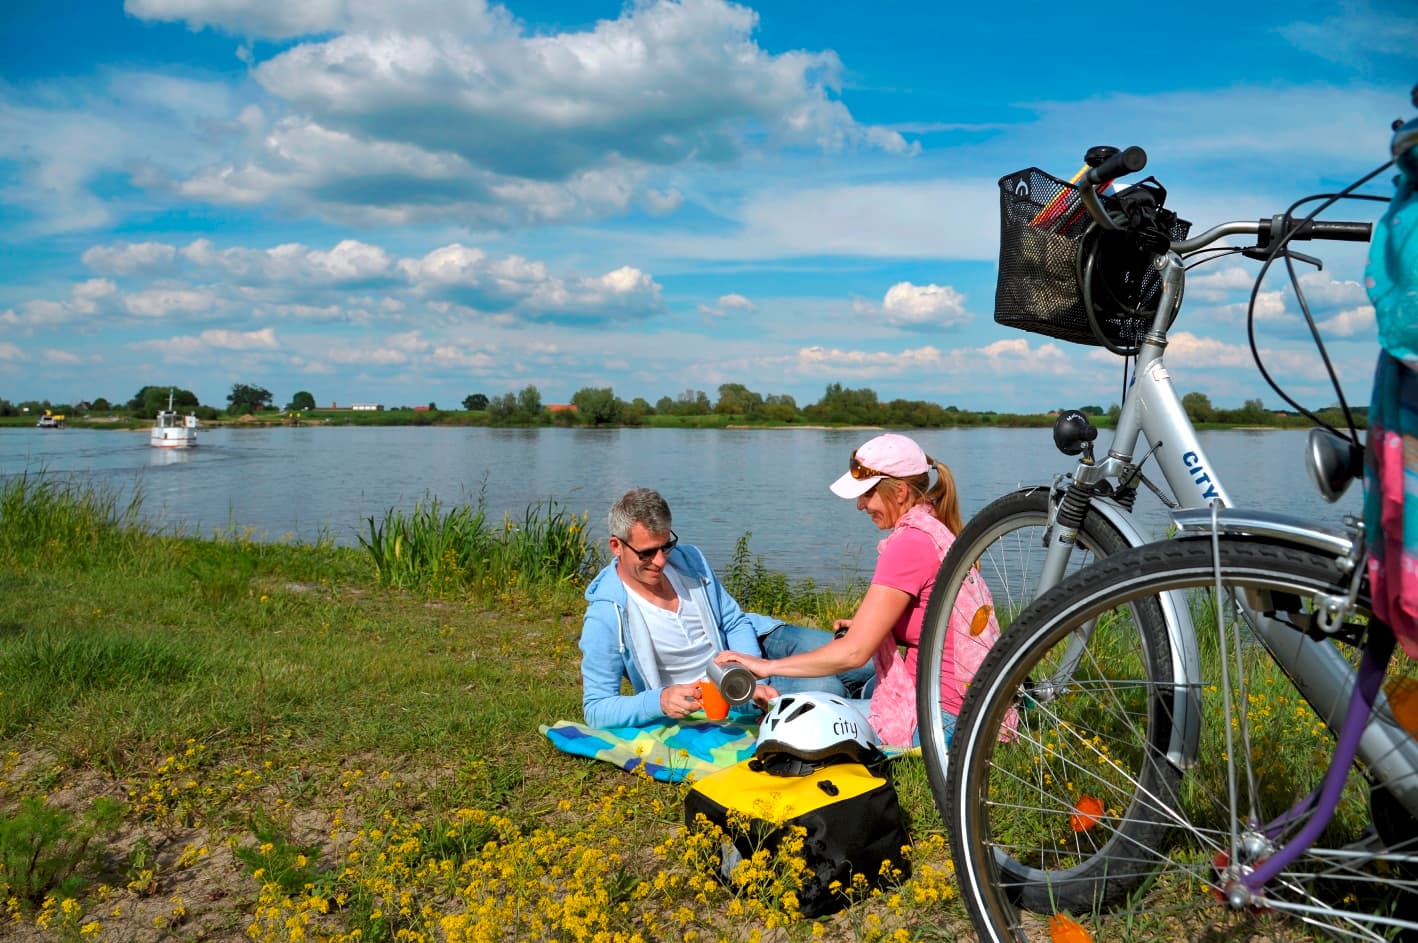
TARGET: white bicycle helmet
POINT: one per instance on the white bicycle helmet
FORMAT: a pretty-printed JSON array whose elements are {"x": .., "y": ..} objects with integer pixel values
[{"x": 804, "y": 731}]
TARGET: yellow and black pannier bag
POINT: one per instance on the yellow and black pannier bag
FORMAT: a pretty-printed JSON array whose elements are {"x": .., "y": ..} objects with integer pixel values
[{"x": 849, "y": 814}]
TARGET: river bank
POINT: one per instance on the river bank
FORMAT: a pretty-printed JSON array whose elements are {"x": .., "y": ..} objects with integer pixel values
[{"x": 225, "y": 740}]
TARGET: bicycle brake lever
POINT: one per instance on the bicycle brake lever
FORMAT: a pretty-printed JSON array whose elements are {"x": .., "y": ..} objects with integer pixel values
[{"x": 1260, "y": 255}]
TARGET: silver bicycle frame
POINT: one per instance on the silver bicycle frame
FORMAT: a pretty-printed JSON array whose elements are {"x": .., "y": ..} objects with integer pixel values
[
  {"x": 1152, "y": 411},
  {"x": 1319, "y": 671}
]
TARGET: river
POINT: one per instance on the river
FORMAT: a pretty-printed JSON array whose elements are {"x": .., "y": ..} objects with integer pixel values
[{"x": 310, "y": 482}]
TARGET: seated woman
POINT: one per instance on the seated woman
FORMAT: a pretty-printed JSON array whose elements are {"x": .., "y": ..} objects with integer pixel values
[{"x": 889, "y": 478}]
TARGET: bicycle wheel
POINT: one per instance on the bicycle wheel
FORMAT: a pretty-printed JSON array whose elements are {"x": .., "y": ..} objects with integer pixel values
[
  {"x": 1004, "y": 545},
  {"x": 1079, "y": 796}
]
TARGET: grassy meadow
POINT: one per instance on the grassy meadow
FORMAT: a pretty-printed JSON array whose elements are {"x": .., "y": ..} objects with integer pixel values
[{"x": 222, "y": 739}]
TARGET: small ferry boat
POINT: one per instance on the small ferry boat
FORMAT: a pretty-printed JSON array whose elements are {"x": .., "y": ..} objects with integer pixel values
[
  {"x": 50, "y": 421},
  {"x": 172, "y": 431}
]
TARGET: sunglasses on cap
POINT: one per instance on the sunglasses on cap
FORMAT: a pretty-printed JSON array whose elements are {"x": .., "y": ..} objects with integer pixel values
[
  {"x": 862, "y": 472},
  {"x": 647, "y": 555}
]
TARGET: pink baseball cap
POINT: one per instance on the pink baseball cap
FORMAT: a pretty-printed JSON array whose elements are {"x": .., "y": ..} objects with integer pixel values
[{"x": 886, "y": 456}]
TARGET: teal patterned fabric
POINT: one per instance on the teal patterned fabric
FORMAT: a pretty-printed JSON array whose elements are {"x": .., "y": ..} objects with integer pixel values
[{"x": 669, "y": 752}]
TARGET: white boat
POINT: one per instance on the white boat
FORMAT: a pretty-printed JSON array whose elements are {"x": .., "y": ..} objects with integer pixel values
[
  {"x": 50, "y": 421},
  {"x": 172, "y": 431}
]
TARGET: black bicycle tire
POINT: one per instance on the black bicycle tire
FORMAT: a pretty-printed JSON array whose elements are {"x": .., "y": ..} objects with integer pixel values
[
  {"x": 986, "y": 888},
  {"x": 1010, "y": 513}
]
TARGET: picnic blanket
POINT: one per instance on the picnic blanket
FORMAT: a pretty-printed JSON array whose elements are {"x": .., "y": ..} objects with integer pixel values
[{"x": 670, "y": 752}]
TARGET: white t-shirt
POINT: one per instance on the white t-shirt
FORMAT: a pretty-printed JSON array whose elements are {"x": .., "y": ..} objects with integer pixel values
[{"x": 680, "y": 639}]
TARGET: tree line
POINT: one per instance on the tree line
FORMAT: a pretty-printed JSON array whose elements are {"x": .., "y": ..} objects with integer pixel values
[
  {"x": 600, "y": 406},
  {"x": 150, "y": 400}
]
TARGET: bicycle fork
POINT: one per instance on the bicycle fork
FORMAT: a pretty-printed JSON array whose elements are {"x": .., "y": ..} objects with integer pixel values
[{"x": 1183, "y": 707}]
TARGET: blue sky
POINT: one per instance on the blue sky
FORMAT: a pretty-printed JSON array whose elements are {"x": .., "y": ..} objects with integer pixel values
[{"x": 410, "y": 202}]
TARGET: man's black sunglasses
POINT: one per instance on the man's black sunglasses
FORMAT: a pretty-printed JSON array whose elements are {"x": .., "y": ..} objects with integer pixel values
[{"x": 647, "y": 555}]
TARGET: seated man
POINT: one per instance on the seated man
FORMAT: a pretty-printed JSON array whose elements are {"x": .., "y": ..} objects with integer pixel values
[{"x": 658, "y": 615}]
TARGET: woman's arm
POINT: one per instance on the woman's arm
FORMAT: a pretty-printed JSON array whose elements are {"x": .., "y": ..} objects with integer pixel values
[{"x": 880, "y": 608}]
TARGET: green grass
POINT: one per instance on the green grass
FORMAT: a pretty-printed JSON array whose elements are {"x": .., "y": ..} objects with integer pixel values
[
  {"x": 304, "y": 741},
  {"x": 1084, "y": 747}
]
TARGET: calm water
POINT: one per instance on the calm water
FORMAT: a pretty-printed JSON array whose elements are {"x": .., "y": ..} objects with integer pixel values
[{"x": 307, "y": 482}]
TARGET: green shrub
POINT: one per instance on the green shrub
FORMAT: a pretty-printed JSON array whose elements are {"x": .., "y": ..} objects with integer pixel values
[{"x": 44, "y": 848}]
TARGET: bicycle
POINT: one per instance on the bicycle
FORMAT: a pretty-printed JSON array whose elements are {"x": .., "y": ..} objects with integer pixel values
[
  {"x": 1116, "y": 283},
  {"x": 1089, "y": 813}
]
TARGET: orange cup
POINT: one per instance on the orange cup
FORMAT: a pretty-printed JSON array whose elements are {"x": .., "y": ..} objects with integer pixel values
[{"x": 715, "y": 707}]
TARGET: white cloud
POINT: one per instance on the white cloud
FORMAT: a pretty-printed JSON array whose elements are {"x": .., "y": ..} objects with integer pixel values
[
  {"x": 919, "y": 307},
  {"x": 727, "y": 305},
  {"x": 264, "y": 339},
  {"x": 1185, "y": 349},
  {"x": 1352, "y": 322},
  {"x": 834, "y": 361},
  {"x": 180, "y": 349},
  {"x": 1217, "y": 285},
  {"x": 525, "y": 288},
  {"x": 661, "y": 203},
  {"x": 128, "y": 258},
  {"x": 1356, "y": 34},
  {"x": 430, "y": 111},
  {"x": 63, "y": 136},
  {"x": 281, "y": 19},
  {"x": 350, "y": 262},
  {"x": 86, "y": 300},
  {"x": 367, "y": 356},
  {"x": 10, "y": 351},
  {"x": 62, "y": 358},
  {"x": 932, "y": 219},
  {"x": 167, "y": 302},
  {"x": 449, "y": 355}
]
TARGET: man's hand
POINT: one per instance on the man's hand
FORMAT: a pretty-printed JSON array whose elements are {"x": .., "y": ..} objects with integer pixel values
[{"x": 680, "y": 700}]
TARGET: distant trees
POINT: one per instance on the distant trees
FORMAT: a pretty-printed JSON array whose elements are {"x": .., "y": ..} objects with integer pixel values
[
  {"x": 688, "y": 403},
  {"x": 517, "y": 408},
  {"x": 151, "y": 400},
  {"x": 475, "y": 403},
  {"x": 244, "y": 398},
  {"x": 599, "y": 407},
  {"x": 301, "y": 400},
  {"x": 842, "y": 405},
  {"x": 739, "y": 400},
  {"x": 1198, "y": 407}
]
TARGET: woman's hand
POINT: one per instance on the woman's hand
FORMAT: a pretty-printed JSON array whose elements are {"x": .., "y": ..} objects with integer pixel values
[
  {"x": 761, "y": 667},
  {"x": 680, "y": 700},
  {"x": 764, "y": 695}
]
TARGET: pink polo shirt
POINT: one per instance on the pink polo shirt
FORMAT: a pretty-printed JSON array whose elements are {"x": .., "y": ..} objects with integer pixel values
[{"x": 909, "y": 562}]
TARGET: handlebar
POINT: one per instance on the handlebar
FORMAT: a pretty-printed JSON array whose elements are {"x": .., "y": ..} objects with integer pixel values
[
  {"x": 1269, "y": 231},
  {"x": 1108, "y": 164},
  {"x": 1127, "y": 161},
  {"x": 1335, "y": 230}
]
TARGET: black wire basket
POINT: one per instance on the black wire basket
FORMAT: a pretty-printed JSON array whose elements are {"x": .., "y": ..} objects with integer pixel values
[{"x": 1050, "y": 249}]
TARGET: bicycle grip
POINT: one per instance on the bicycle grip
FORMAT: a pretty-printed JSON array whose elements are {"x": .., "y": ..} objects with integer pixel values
[
  {"x": 1127, "y": 161},
  {"x": 1338, "y": 230}
]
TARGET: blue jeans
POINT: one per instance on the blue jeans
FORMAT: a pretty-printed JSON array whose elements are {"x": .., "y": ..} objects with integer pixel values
[
  {"x": 947, "y": 722},
  {"x": 790, "y": 640}
]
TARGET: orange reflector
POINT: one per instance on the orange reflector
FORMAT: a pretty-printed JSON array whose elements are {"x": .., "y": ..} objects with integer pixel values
[
  {"x": 980, "y": 619},
  {"x": 1403, "y": 701},
  {"x": 1065, "y": 929},
  {"x": 1085, "y": 813}
]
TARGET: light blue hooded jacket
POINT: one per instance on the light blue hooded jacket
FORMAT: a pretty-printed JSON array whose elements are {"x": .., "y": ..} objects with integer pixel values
[{"x": 615, "y": 642}]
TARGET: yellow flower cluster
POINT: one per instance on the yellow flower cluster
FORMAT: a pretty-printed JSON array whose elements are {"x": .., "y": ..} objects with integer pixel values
[{"x": 618, "y": 867}]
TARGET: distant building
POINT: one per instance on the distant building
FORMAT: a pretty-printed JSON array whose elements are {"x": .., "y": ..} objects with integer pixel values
[
  {"x": 368, "y": 407},
  {"x": 561, "y": 407}
]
